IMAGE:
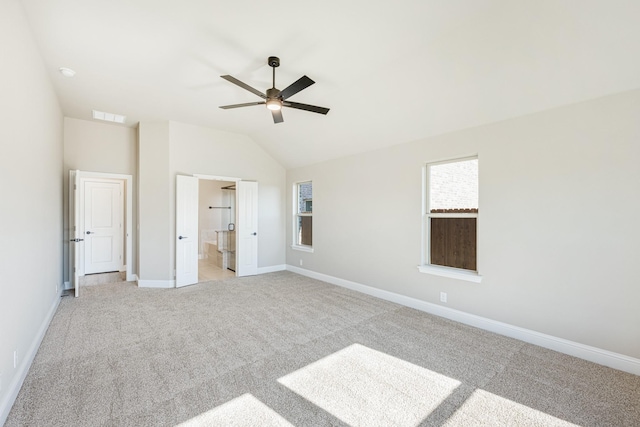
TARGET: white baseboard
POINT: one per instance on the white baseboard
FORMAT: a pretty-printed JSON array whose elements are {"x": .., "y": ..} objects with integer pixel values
[
  {"x": 592, "y": 354},
  {"x": 67, "y": 286},
  {"x": 162, "y": 284},
  {"x": 27, "y": 360},
  {"x": 272, "y": 268}
]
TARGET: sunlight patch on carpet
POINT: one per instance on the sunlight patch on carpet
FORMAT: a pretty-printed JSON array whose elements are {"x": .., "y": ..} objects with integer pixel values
[
  {"x": 242, "y": 411},
  {"x": 487, "y": 409},
  {"x": 365, "y": 387}
]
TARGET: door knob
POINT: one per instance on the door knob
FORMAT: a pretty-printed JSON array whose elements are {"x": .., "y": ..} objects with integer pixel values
[{"x": 182, "y": 237}]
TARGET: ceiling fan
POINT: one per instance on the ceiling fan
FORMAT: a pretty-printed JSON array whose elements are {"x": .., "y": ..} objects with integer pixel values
[{"x": 274, "y": 98}]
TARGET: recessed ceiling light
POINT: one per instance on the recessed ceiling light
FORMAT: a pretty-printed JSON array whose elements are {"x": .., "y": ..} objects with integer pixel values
[
  {"x": 108, "y": 117},
  {"x": 67, "y": 72}
]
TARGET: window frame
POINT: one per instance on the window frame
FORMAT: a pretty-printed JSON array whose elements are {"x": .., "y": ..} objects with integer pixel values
[
  {"x": 441, "y": 270},
  {"x": 297, "y": 214}
]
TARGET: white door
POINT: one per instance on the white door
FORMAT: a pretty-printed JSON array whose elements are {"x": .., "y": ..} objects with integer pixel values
[
  {"x": 76, "y": 238},
  {"x": 103, "y": 226},
  {"x": 247, "y": 228},
  {"x": 186, "y": 230}
]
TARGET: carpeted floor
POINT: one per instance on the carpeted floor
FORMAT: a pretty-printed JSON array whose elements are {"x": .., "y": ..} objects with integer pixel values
[{"x": 282, "y": 349}]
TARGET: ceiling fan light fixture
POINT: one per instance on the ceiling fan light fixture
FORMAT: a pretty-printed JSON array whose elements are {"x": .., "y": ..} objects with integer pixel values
[{"x": 274, "y": 104}]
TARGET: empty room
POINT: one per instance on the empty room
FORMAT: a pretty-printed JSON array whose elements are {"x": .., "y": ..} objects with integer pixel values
[{"x": 411, "y": 213}]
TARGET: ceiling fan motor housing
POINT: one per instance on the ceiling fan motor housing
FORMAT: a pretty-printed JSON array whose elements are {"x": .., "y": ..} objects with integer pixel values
[
  {"x": 273, "y": 93},
  {"x": 273, "y": 61}
]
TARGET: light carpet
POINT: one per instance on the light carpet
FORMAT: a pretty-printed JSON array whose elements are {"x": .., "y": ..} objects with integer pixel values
[{"x": 282, "y": 349}]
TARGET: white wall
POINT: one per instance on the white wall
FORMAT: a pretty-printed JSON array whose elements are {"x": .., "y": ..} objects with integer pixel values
[
  {"x": 210, "y": 194},
  {"x": 558, "y": 228},
  {"x": 31, "y": 188},
  {"x": 98, "y": 147}
]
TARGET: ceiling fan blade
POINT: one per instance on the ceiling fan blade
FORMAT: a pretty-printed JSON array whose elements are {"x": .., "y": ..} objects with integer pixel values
[
  {"x": 277, "y": 116},
  {"x": 295, "y": 87},
  {"x": 248, "y": 104},
  {"x": 244, "y": 86},
  {"x": 306, "y": 107}
]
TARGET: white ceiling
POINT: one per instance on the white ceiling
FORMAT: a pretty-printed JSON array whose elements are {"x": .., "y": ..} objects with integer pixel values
[{"x": 391, "y": 71}]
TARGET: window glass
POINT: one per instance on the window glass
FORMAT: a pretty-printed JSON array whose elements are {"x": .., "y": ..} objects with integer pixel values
[
  {"x": 453, "y": 185},
  {"x": 452, "y": 214},
  {"x": 304, "y": 219}
]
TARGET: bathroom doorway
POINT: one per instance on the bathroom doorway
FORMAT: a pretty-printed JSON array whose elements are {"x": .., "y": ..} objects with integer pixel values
[{"x": 216, "y": 229}]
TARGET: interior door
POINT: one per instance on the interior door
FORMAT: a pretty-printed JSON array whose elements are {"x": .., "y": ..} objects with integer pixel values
[
  {"x": 75, "y": 234},
  {"x": 186, "y": 230},
  {"x": 103, "y": 225},
  {"x": 247, "y": 228}
]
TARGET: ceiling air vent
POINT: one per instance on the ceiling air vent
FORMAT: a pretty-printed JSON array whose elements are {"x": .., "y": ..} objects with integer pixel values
[{"x": 108, "y": 117}]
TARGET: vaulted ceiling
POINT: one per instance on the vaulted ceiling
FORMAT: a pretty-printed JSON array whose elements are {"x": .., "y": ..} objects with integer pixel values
[{"x": 391, "y": 71}]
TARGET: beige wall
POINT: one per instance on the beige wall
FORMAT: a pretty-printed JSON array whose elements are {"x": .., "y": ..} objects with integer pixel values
[
  {"x": 98, "y": 147},
  {"x": 168, "y": 149},
  {"x": 154, "y": 215},
  {"x": 199, "y": 150},
  {"x": 558, "y": 233},
  {"x": 31, "y": 187}
]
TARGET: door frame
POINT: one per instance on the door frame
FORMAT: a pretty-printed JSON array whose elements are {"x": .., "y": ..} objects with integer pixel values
[{"x": 128, "y": 214}]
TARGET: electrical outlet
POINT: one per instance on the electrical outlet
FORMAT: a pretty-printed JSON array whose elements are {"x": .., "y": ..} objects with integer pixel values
[
  {"x": 443, "y": 297},
  {"x": 300, "y": 262}
]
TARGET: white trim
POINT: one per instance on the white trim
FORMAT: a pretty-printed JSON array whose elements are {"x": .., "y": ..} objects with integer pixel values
[
  {"x": 453, "y": 273},
  {"x": 162, "y": 284},
  {"x": 572, "y": 348},
  {"x": 425, "y": 250},
  {"x": 216, "y": 177},
  {"x": 23, "y": 368},
  {"x": 128, "y": 213},
  {"x": 272, "y": 268},
  {"x": 67, "y": 286},
  {"x": 296, "y": 214}
]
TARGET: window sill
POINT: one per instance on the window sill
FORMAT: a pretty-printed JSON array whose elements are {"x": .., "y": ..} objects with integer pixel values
[
  {"x": 453, "y": 273},
  {"x": 302, "y": 248}
]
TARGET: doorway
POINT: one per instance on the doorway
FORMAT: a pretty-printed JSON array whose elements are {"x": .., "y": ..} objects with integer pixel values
[
  {"x": 245, "y": 228},
  {"x": 100, "y": 225},
  {"x": 102, "y": 219},
  {"x": 216, "y": 230}
]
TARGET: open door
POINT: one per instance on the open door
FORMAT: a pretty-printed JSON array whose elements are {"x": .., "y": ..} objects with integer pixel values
[
  {"x": 186, "y": 230},
  {"x": 75, "y": 236},
  {"x": 247, "y": 228}
]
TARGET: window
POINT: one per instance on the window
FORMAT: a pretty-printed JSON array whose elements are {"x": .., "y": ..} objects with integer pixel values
[
  {"x": 303, "y": 232},
  {"x": 451, "y": 217}
]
